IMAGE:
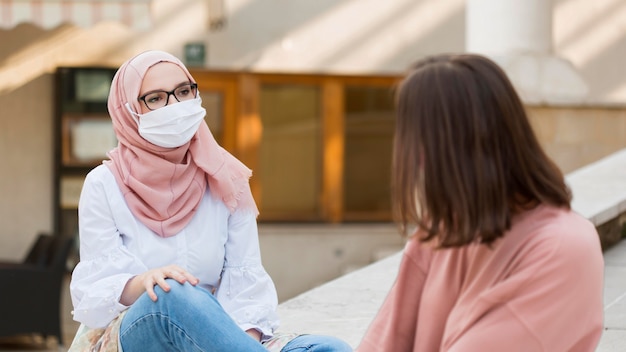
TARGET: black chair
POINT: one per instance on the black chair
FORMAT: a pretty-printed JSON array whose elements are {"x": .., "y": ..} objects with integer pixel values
[{"x": 31, "y": 290}]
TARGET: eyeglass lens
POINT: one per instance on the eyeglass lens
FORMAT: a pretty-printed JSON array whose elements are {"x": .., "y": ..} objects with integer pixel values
[{"x": 159, "y": 99}]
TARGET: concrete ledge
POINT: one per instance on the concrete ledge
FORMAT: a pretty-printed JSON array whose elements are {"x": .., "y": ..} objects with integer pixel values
[
  {"x": 599, "y": 194},
  {"x": 600, "y": 188},
  {"x": 343, "y": 307}
]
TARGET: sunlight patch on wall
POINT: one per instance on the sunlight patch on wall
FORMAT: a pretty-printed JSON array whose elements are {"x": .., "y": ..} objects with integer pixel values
[
  {"x": 617, "y": 94},
  {"x": 592, "y": 32},
  {"x": 33, "y": 61},
  {"x": 107, "y": 43},
  {"x": 357, "y": 36}
]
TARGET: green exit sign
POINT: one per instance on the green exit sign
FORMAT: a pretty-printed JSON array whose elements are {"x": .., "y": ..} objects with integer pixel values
[{"x": 195, "y": 54}]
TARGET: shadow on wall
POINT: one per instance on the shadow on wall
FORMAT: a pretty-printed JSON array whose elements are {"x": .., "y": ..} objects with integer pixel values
[
  {"x": 611, "y": 56},
  {"x": 24, "y": 54},
  {"x": 24, "y": 36},
  {"x": 594, "y": 42},
  {"x": 250, "y": 48},
  {"x": 347, "y": 37},
  {"x": 441, "y": 30}
]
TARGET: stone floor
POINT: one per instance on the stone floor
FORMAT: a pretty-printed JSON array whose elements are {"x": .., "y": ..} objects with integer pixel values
[{"x": 614, "y": 337}]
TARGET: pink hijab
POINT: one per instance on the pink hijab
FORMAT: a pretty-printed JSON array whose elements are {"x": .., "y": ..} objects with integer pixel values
[{"x": 164, "y": 186}]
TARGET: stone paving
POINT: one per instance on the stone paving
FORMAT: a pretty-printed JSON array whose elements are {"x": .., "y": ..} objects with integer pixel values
[{"x": 614, "y": 337}]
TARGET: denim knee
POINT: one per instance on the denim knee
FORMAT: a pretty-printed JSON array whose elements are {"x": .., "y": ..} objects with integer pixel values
[
  {"x": 180, "y": 301},
  {"x": 186, "y": 318},
  {"x": 316, "y": 343},
  {"x": 186, "y": 296}
]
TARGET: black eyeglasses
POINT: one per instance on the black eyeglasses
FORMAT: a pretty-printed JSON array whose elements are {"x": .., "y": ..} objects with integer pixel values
[{"x": 160, "y": 98}]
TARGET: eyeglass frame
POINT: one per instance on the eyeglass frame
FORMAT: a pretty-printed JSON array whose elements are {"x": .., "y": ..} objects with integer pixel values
[{"x": 167, "y": 99}]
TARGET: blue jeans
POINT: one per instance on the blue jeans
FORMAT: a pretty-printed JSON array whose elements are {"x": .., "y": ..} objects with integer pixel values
[{"x": 190, "y": 319}]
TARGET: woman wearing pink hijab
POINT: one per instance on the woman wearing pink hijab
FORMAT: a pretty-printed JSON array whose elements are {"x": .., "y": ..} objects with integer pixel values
[{"x": 169, "y": 249}]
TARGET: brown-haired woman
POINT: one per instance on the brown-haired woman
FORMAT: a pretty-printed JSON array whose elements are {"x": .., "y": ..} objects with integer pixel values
[{"x": 498, "y": 261}]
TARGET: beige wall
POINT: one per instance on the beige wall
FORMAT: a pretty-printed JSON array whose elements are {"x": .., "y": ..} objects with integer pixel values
[
  {"x": 26, "y": 177},
  {"x": 299, "y": 259},
  {"x": 592, "y": 36},
  {"x": 318, "y": 36},
  {"x": 297, "y": 35},
  {"x": 577, "y": 136}
]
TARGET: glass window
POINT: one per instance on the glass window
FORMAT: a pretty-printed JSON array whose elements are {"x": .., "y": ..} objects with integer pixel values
[
  {"x": 212, "y": 101},
  {"x": 369, "y": 128},
  {"x": 290, "y": 152}
]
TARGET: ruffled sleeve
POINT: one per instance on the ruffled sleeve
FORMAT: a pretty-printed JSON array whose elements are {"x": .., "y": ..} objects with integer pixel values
[
  {"x": 105, "y": 265},
  {"x": 246, "y": 291}
]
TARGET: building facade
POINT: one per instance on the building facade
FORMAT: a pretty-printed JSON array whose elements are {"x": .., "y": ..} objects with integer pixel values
[{"x": 301, "y": 91}]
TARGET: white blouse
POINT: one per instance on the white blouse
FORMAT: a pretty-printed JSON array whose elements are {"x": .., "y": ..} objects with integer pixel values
[{"x": 219, "y": 248}]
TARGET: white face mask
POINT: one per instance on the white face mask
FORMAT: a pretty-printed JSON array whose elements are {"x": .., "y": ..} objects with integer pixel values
[{"x": 172, "y": 125}]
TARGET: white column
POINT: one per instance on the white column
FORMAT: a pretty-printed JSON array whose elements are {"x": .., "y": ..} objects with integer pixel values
[{"x": 517, "y": 34}]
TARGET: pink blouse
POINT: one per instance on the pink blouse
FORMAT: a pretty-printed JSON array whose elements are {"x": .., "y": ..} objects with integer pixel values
[{"x": 539, "y": 288}]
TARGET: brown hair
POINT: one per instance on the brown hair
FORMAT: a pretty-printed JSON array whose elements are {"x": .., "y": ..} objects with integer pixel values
[{"x": 465, "y": 156}]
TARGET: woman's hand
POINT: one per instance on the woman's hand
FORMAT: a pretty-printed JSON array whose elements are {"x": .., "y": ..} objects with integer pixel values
[
  {"x": 254, "y": 333},
  {"x": 147, "y": 280}
]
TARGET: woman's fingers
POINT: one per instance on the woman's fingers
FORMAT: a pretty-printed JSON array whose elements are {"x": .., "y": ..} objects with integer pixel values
[
  {"x": 158, "y": 277},
  {"x": 150, "y": 292},
  {"x": 189, "y": 278},
  {"x": 155, "y": 277},
  {"x": 181, "y": 275},
  {"x": 160, "y": 280}
]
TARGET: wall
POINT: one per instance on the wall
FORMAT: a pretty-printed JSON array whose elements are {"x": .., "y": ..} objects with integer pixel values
[
  {"x": 592, "y": 36},
  {"x": 577, "y": 136},
  {"x": 362, "y": 36},
  {"x": 299, "y": 258},
  {"x": 349, "y": 36},
  {"x": 26, "y": 164}
]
